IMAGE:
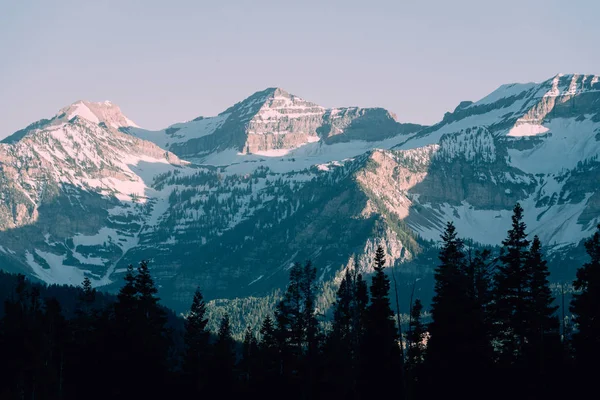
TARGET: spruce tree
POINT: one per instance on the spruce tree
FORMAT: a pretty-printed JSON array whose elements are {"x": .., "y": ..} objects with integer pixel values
[
  {"x": 196, "y": 341},
  {"x": 223, "y": 363},
  {"x": 544, "y": 324},
  {"x": 458, "y": 346},
  {"x": 450, "y": 296},
  {"x": 339, "y": 345},
  {"x": 289, "y": 319},
  {"x": 415, "y": 350},
  {"x": 269, "y": 365},
  {"x": 585, "y": 307},
  {"x": 512, "y": 291},
  {"x": 249, "y": 357},
  {"x": 380, "y": 358},
  {"x": 415, "y": 353},
  {"x": 84, "y": 350}
]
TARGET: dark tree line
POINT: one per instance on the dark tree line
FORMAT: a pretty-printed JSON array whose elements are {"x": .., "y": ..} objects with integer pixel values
[{"x": 492, "y": 332}]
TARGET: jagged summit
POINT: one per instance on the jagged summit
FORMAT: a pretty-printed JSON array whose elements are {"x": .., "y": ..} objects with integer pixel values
[
  {"x": 105, "y": 113},
  {"x": 97, "y": 112},
  {"x": 274, "y": 122}
]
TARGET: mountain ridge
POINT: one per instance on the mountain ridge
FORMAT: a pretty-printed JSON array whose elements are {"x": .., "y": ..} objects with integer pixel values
[{"x": 234, "y": 199}]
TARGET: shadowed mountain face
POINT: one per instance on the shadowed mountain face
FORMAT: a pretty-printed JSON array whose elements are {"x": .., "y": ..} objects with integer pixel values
[{"x": 229, "y": 202}]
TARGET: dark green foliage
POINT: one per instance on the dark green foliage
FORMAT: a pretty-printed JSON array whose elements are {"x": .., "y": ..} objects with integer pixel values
[
  {"x": 543, "y": 323},
  {"x": 343, "y": 345},
  {"x": 196, "y": 341},
  {"x": 89, "y": 345},
  {"x": 512, "y": 291},
  {"x": 415, "y": 351},
  {"x": 248, "y": 363},
  {"x": 222, "y": 365},
  {"x": 381, "y": 370},
  {"x": 586, "y": 309},
  {"x": 459, "y": 344}
]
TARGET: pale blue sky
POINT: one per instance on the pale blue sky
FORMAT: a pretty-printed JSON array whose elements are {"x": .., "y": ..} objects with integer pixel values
[{"x": 168, "y": 61}]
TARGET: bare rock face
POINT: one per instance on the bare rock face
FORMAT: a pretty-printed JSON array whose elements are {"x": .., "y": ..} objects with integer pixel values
[{"x": 272, "y": 122}]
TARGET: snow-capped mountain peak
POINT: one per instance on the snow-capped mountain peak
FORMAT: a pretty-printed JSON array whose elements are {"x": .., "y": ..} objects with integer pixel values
[
  {"x": 97, "y": 112},
  {"x": 273, "y": 123}
]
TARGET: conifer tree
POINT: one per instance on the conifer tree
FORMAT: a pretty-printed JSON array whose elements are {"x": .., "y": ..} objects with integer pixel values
[
  {"x": 339, "y": 346},
  {"x": 512, "y": 291},
  {"x": 309, "y": 320},
  {"x": 458, "y": 345},
  {"x": 196, "y": 341},
  {"x": 380, "y": 358},
  {"x": 289, "y": 319},
  {"x": 126, "y": 304},
  {"x": 249, "y": 356},
  {"x": 223, "y": 362},
  {"x": 450, "y": 296},
  {"x": 415, "y": 353},
  {"x": 269, "y": 367},
  {"x": 84, "y": 350},
  {"x": 415, "y": 350},
  {"x": 586, "y": 311},
  {"x": 544, "y": 324}
]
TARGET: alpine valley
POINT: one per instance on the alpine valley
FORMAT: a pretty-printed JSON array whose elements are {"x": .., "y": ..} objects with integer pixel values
[{"x": 229, "y": 202}]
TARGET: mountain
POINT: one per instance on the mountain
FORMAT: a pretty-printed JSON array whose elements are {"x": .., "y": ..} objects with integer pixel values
[
  {"x": 229, "y": 202},
  {"x": 272, "y": 123}
]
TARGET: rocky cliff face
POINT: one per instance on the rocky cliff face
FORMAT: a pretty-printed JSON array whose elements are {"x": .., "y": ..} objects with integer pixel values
[
  {"x": 229, "y": 202},
  {"x": 274, "y": 122}
]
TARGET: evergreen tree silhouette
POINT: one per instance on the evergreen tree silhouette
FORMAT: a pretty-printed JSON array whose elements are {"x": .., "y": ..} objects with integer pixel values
[
  {"x": 196, "y": 341},
  {"x": 223, "y": 361},
  {"x": 415, "y": 349},
  {"x": 415, "y": 353},
  {"x": 543, "y": 321},
  {"x": 380, "y": 358},
  {"x": 458, "y": 345},
  {"x": 249, "y": 358},
  {"x": 512, "y": 292},
  {"x": 268, "y": 374},
  {"x": 586, "y": 315}
]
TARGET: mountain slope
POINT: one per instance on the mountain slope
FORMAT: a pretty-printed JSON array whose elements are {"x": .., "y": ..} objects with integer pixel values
[{"x": 229, "y": 202}]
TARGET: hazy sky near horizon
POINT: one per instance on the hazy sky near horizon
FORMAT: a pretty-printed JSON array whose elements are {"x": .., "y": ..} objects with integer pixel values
[{"x": 168, "y": 61}]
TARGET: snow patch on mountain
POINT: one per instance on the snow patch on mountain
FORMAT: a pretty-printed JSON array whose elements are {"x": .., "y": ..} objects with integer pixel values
[
  {"x": 567, "y": 142},
  {"x": 527, "y": 129}
]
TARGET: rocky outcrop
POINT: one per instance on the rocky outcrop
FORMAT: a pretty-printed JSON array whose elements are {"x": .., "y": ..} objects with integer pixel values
[{"x": 274, "y": 121}]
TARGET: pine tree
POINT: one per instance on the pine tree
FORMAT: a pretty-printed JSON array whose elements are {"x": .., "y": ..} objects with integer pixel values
[
  {"x": 127, "y": 303},
  {"x": 415, "y": 350},
  {"x": 247, "y": 364},
  {"x": 289, "y": 319},
  {"x": 512, "y": 291},
  {"x": 586, "y": 311},
  {"x": 309, "y": 320},
  {"x": 458, "y": 346},
  {"x": 196, "y": 340},
  {"x": 223, "y": 362},
  {"x": 339, "y": 349},
  {"x": 268, "y": 374},
  {"x": 84, "y": 349},
  {"x": 542, "y": 318},
  {"x": 380, "y": 358},
  {"x": 415, "y": 353},
  {"x": 451, "y": 284},
  {"x": 342, "y": 311}
]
